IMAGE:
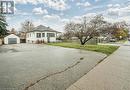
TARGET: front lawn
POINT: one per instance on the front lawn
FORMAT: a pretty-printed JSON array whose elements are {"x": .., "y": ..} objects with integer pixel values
[{"x": 98, "y": 48}]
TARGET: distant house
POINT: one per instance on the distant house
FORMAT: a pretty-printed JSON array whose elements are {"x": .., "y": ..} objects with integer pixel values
[
  {"x": 41, "y": 33},
  {"x": 11, "y": 39}
]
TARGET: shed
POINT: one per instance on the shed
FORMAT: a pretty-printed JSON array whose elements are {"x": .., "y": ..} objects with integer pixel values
[{"x": 11, "y": 39}]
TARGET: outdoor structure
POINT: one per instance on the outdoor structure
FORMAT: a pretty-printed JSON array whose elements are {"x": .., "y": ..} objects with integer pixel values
[
  {"x": 22, "y": 36},
  {"x": 11, "y": 39},
  {"x": 0, "y": 41},
  {"x": 41, "y": 34}
]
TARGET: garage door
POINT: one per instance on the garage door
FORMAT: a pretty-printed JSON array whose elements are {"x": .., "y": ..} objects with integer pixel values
[{"x": 12, "y": 40}]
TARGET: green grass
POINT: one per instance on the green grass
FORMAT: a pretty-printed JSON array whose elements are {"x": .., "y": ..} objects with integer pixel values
[
  {"x": 121, "y": 41},
  {"x": 98, "y": 48}
]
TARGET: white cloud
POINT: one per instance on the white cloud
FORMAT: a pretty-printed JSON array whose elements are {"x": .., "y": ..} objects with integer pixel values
[
  {"x": 78, "y": 19},
  {"x": 39, "y": 11},
  {"x": 125, "y": 10},
  {"x": 54, "y": 4},
  {"x": 113, "y": 5},
  {"x": 65, "y": 21},
  {"x": 39, "y": 22},
  {"x": 51, "y": 18},
  {"x": 118, "y": 19},
  {"x": 118, "y": 10},
  {"x": 21, "y": 13},
  {"x": 26, "y": 1},
  {"x": 90, "y": 15},
  {"x": 57, "y": 4},
  {"x": 55, "y": 21},
  {"x": 97, "y": 0},
  {"x": 113, "y": 11},
  {"x": 86, "y": 4}
]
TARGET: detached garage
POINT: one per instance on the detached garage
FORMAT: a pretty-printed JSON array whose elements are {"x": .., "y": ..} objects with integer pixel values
[{"x": 11, "y": 39}]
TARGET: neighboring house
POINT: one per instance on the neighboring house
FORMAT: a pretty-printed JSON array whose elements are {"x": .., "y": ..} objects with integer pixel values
[
  {"x": 41, "y": 33},
  {"x": 11, "y": 39}
]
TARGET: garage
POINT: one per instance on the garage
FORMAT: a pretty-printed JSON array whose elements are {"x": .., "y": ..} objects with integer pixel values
[{"x": 11, "y": 39}]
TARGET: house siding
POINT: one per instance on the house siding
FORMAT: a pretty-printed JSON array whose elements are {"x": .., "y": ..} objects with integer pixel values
[{"x": 32, "y": 37}]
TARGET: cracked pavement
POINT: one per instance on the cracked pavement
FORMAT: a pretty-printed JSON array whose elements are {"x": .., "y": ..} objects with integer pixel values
[{"x": 38, "y": 67}]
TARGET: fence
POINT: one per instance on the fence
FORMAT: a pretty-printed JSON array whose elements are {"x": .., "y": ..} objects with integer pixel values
[{"x": 0, "y": 42}]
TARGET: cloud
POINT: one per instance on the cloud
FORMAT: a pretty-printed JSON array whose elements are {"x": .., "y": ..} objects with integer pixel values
[
  {"x": 65, "y": 21},
  {"x": 86, "y": 4},
  {"x": 54, "y": 4},
  {"x": 39, "y": 11},
  {"x": 125, "y": 10},
  {"x": 118, "y": 10},
  {"x": 53, "y": 21},
  {"x": 51, "y": 18},
  {"x": 113, "y": 5},
  {"x": 57, "y": 4},
  {"x": 113, "y": 11},
  {"x": 25, "y": 1},
  {"x": 78, "y": 19},
  {"x": 97, "y": 0},
  {"x": 21, "y": 13}
]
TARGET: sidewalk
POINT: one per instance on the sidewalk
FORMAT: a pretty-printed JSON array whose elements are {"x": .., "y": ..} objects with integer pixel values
[{"x": 111, "y": 74}]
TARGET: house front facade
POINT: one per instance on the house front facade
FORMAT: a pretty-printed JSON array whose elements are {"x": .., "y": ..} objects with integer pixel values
[{"x": 41, "y": 34}]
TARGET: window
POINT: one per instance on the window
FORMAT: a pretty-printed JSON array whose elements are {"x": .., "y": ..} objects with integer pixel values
[
  {"x": 43, "y": 34},
  {"x": 50, "y": 34},
  {"x": 38, "y": 35}
]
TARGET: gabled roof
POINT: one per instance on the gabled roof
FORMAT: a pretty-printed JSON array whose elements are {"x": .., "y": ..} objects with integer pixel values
[
  {"x": 11, "y": 35},
  {"x": 42, "y": 28}
]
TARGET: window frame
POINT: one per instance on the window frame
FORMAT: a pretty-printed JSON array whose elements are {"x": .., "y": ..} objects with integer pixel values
[
  {"x": 38, "y": 35},
  {"x": 50, "y": 35},
  {"x": 43, "y": 34}
]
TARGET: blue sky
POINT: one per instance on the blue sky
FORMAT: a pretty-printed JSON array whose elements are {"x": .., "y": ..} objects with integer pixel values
[{"x": 56, "y": 13}]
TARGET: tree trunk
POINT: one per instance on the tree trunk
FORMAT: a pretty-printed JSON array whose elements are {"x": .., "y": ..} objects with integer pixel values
[
  {"x": 85, "y": 40},
  {"x": 82, "y": 42}
]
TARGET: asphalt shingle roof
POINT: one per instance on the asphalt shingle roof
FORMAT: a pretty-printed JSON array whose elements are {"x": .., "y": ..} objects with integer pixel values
[{"x": 42, "y": 28}]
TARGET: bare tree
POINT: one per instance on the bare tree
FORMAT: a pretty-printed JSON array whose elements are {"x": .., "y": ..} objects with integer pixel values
[
  {"x": 13, "y": 31},
  {"x": 85, "y": 30},
  {"x": 68, "y": 30},
  {"x": 27, "y": 26}
]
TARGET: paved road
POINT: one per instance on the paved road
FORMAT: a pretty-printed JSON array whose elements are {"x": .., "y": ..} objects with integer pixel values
[
  {"x": 38, "y": 67},
  {"x": 112, "y": 74}
]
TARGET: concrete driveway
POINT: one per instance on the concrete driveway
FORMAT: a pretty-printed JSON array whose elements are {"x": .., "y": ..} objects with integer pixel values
[
  {"x": 38, "y": 67},
  {"x": 112, "y": 74}
]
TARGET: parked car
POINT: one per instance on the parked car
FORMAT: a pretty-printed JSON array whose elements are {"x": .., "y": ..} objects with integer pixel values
[
  {"x": 112, "y": 40},
  {"x": 128, "y": 39}
]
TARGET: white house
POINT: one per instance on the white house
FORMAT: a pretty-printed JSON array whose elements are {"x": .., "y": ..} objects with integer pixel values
[
  {"x": 11, "y": 39},
  {"x": 41, "y": 33}
]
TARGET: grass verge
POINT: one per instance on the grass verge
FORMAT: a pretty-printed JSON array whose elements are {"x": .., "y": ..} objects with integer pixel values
[{"x": 98, "y": 48}]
